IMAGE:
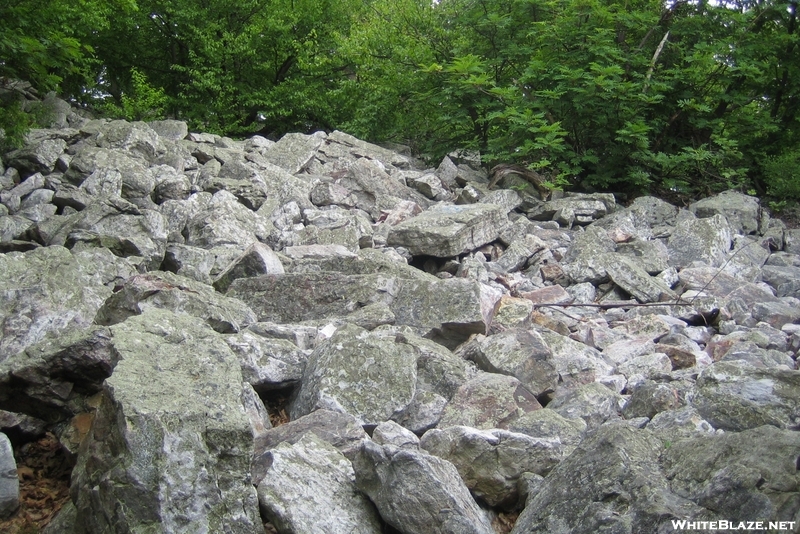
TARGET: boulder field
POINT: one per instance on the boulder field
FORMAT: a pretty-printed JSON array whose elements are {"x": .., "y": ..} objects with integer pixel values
[{"x": 442, "y": 357}]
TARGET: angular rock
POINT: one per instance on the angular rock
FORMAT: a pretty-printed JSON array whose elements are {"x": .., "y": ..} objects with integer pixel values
[
  {"x": 634, "y": 279},
  {"x": 9, "y": 483},
  {"x": 611, "y": 483},
  {"x": 706, "y": 240},
  {"x": 522, "y": 354},
  {"x": 492, "y": 462},
  {"x": 267, "y": 364},
  {"x": 738, "y": 475},
  {"x": 171, "y": 130},
  {"x": 446, "y": 230},
  {"x": 170, "y": 291},
  {"x": 417, "y": 492},
  {"x": 547, "y": 423},
  {"x": 294, "y": 151},
  {"x": 736, "y": 396},
  {"x": 52, "y": 379},
  {"x": 683, "y": 422},
  {"x": 390, "y": 433},
  {"x": 35, "y": 304},
  {"x": 743, "y": 212},
  {"x": 258, "y": 259},
  {"x": 489, "y": 401},
  {"x": 649, "y": 399},
  {"x": 575, "y": 362},
  {"x": 179, "y": 463},
  {"x": 191, "y": 262},
  {"x": 368, "y": 375},
  {"x": 593, "y": 402},
  {"x": 137, "y": 180},
  {"x": 137, "y": 138},
  {"x": 310, "y": 487},
  {"x": 40, "y": 155},
  {"x": 224, "y": 221},
  {"x": 111, "y": 223},
  {"x": 338, "y": 429}
]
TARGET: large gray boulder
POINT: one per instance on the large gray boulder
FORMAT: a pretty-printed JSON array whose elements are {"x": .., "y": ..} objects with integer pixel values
[
  {"x": 488, "y": 401},
  {"x": 448, "y": 230},
  {"x": 48, "y": 291},
  {"x": 112, "y": 223},
  {"x": 52, "y": 379},
  {"x": 417, "y": 492},
  {"x": 371, "y": 376},
  {"x": 171, "y": 441},
  {"x": 705, "y": 240},
  {"x": 135, "y": 178},
  {"x": 310, "y": 487},
  {"x": 743, "y": 212},
  {"x": 738, "y": 476},
  {"x": 522, "y": 354},
  {"x": 170, "y": 291},
  {"x": 737, "y": 396},
  {"x": 492, "y": 462},
  {"x": 611, "y": 483},
  {"x": 340, "y": 430},
  {"x": 267, "y": 363}
]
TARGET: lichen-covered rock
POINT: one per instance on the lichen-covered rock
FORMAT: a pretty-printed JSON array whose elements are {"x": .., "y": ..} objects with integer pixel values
[
  {"x": 610, "y": 483},
  {"x": 9, "y": 483},
  {"x": 35, "y": 302},
  {"x": 489, "y": 401},
  {"x": 738, "y": 475},
  {"x": 417, "y": 492},
  {"x": 178, "y": 462},
  {"x": 737, "y": 396},
  {"x": 267, "y": 363},
  {"x": 341, "y": 430},
  {"x": 446, "y": 230},
  {"x": 170, "y": 291},
  {"x": 368, "y": 375},
  {"x": 310, "y": 487},
  {"x": 52, "y": 379},
  {"x": 743, "y": 212},
  {"x": 522, "y": 354},
  {"x": 491, "y": 462},
  {"x": 706, "y": 240}
]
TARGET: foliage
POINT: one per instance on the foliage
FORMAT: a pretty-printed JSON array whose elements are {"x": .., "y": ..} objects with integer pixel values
[
  {"x": 144, "y": 102},
  {"x": 646, "y": 95},
  {"x": 687, "y": 97},
  {"x": 782, "y": 175}
]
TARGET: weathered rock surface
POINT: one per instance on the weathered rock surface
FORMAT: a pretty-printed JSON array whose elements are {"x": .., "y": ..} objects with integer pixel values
[
  {"x": 176, "y": 294},
  {"x": 439, "y": 500},
  {"x": 310, "y": 487},
  {"x": 181, "y": 463},
  {"x": 9, "y": 483}
]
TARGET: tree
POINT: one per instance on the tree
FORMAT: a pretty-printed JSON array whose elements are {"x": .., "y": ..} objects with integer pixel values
[{"x": 46, "y": 43}]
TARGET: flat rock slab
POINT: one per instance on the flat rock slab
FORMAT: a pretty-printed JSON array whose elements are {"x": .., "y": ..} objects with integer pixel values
[
  {"x": 447, "y": 230},
  {"x": 171, "y": 444}
]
